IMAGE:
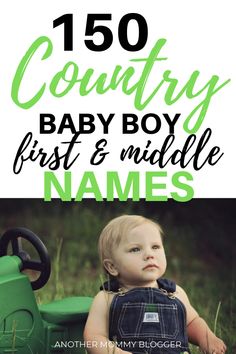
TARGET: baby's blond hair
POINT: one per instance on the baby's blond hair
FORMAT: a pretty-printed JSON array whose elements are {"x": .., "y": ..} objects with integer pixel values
[{"x": 116, "y": 230}]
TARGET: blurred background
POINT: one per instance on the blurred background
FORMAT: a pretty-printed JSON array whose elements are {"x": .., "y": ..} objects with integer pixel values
[{"x": 200, "y": 243}]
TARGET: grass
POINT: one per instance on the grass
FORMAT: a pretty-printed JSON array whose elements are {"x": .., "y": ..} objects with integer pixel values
[{"x": 216, "y": 317}]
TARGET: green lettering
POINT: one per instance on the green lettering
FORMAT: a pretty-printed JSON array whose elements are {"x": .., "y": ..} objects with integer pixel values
[
  {"x": 150, "y": 186},
  {"x": 88, "y": 178},
  {"x": 51, "y": 180},
  {"x": 203, "y": 105},
  {"x": 141, "y": 84},
  {"x": 16, "y": 84},
  {"x": 61, "y": 75},
  {"x": 114, "y": 181},
  {"x": 183, "y": 186}
]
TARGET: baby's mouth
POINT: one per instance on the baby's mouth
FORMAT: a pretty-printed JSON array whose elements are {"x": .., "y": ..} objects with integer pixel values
[{"x": 151, "y": 266}]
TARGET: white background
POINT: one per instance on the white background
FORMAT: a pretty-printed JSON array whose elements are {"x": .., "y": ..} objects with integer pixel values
[{"x": 200, "y": 36}]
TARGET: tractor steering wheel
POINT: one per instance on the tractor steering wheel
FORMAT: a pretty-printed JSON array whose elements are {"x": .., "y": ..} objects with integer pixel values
[{"x": 14, "y": 236}]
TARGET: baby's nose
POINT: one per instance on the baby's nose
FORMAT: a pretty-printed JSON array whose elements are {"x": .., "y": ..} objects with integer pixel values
[{"x": 149, "y": 254}]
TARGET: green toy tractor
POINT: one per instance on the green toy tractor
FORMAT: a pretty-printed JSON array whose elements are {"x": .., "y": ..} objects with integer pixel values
[{"x": 26, "y": 327}]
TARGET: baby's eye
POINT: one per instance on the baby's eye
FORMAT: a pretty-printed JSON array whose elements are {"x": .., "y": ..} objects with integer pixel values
[
  {"x": 135, "y": 249},
  {"x": 156, "y": 247}
]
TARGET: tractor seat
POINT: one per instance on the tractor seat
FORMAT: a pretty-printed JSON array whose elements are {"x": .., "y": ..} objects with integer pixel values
[{"x": 71, "y": 309}]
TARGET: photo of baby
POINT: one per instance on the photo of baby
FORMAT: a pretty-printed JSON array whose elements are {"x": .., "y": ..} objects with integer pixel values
[
  {"x": 138, "y": 306},
  {"x": 154, "y": 278}
]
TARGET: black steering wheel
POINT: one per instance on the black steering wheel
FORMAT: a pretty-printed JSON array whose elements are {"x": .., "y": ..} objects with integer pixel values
[{"x": 14, "y": 236}]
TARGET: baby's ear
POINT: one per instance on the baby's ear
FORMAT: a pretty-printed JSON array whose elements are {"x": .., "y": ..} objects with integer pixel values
[{"x": 109, "y": 266}]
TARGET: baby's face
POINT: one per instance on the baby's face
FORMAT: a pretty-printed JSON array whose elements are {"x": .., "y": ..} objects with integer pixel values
[{"x": 140, "y": 257}]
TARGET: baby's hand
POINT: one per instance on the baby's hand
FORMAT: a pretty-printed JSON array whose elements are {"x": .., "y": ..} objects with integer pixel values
[{"x": 214, "y": 346}]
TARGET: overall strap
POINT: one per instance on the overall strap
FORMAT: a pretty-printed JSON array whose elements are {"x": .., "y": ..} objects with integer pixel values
[
  {"x": 110, "y": 285},
  {"x": 113, "y": 285},
  {"x": 167, "y": 285}
]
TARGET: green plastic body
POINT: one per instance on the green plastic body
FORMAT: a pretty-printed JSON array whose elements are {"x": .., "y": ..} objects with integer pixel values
[
  {"x": 24, "y": 328},
  {"x": 64, "y": 324}
]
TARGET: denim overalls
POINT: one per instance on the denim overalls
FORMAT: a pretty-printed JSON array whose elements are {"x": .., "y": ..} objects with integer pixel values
[{"x": 148, "y": 320}]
